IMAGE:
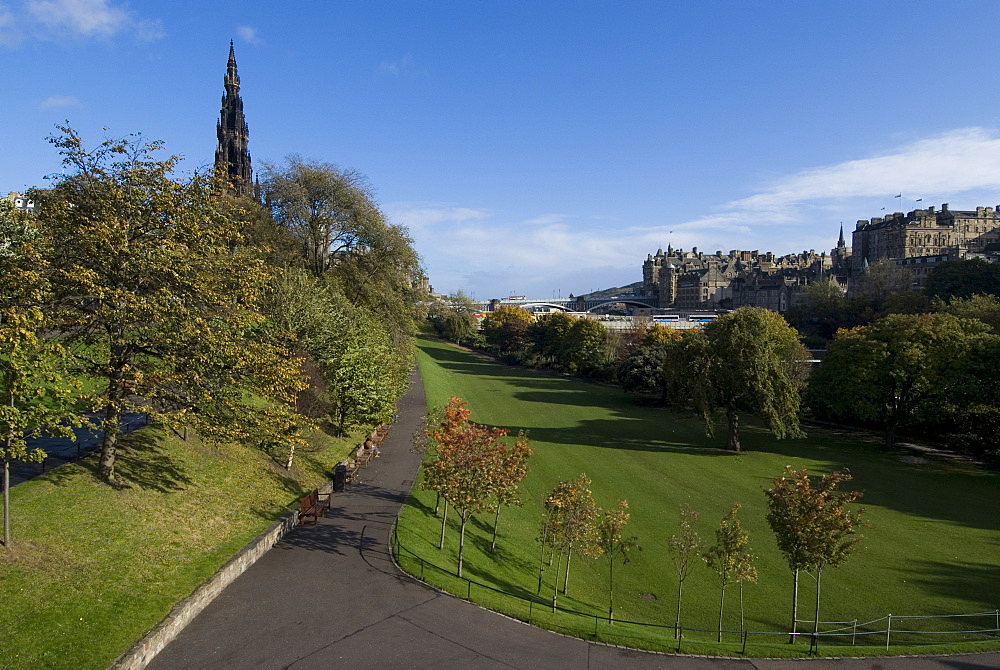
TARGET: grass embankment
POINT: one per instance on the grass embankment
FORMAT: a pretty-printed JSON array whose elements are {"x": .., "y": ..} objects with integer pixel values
[
  {"x": 931, "y": 547},
  {"x": 92, "y": 568}
]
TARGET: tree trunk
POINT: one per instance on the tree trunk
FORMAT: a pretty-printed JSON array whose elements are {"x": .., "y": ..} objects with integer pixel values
[
  {"x": 541, "y": 557},
  {"x": 611, "y": 589},
  {"x": 6, "y": 500},
  {"x": 733, "y": 419},
  {"x": 819, "y": 576},
  {"x": 795, "y": 605},
  {"x": 444, "y": 521},
  {"x": 742, "y": 626},
  {"x": 291, "y": 454},
  {"x": 496, "y": 524},
  {"x": 464, "y": 516},
  {"x": 555, "y": 582},
  {"x": 677, "y": 619},
  {"x": 437, "y": 503},
  {"x": 569, "y": 557},
  {"x": 722, "y": 607},
  {"x": 891, "y": 425},
  {"x": 109, "y": 444}
]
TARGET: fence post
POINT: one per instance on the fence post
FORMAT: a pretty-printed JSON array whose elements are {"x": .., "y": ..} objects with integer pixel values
[
  {"x": 468, "y": 593},
  {"x": 888, "y": 629},
  {"x": 595, "y": 626},
  {"x": 531, "y": 605},
  {"x": 422, "y": 569},
  {"x": 854, "y": 635},
  {"x": 998, "y": 620}
]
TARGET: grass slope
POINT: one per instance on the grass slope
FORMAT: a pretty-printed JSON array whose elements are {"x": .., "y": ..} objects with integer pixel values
[
  {"x": 92, "y": 568},
  {"x": 931, "y": 547}
]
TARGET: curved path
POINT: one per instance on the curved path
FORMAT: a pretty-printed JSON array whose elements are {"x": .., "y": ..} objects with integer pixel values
[{"x": 329, "y": 596}]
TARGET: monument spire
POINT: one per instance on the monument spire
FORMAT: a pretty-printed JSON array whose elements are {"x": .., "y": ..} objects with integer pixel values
[{"x": 231, "y": 154}]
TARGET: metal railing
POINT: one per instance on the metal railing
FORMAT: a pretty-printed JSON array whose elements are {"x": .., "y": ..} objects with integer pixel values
[{"x": 911, "y": 630}]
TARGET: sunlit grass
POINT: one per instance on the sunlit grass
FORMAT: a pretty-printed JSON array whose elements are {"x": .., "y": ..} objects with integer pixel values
[
  {"x": 931, "y": 547},
  {"x": 92, "y": 568}
]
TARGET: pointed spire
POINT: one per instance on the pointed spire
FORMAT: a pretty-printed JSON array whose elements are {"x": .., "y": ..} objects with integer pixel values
[
  {"x": 231, "y": 154},
  {"x": 841, "y": 244}
]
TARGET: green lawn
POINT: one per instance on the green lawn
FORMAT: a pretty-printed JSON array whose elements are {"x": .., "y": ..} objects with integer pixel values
[
  {"x": 932, "y": 547},
  {"x": 92, "y": 568}
]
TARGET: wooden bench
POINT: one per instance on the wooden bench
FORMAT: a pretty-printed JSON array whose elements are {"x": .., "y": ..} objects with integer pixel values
[{"x": 314, "y": 505}]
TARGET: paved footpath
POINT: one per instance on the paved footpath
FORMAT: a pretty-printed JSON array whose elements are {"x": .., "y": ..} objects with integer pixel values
[{"x": 329, "y": 596}]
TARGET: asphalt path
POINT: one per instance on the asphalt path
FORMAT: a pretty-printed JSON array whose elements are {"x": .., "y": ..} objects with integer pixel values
[{"x": 329, "y": 596}]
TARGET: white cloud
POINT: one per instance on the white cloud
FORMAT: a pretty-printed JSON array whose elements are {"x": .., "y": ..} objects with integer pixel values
[
  {"x": 58, "y": 19},
  {"x": 404, "y": 67},
  {"x": 416, "y": 215},
  {"x": 480, "y": 250},
  {"x": 57, "y": 101},
  {"x": 248, "y": 34}
]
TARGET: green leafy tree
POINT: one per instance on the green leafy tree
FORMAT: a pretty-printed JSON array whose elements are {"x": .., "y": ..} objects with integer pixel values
[
  {"x": 341, "y": 232},
  {"x": 608, "y": 540},
  {"x": 37, "y": 393},
  {"x": 821, "y": 309},
  {"x": 459, "y": 327},
  {"x": 570, "y": 514},
  {"x": 895, "y": 369},
  {"x": 583, "y": 347},
  {"x": 963, "y": 279},
  {"x": 548, "y": 333},
  {"x": 749, "y": 360},
  {"x": 148, "y": 276},
  {"x": 985, "y": 308},
  {"x": 506, "y": 329},
  {"x": 731, "y": 559},
  {"x": 642, "y": 371},
  {"x": 813, "y": 527},
  {"x": 684, "y": 547}
]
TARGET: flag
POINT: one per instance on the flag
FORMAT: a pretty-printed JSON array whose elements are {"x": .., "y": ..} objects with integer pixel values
[
  {"x": 898, "y": 196},
  {"x": 919, "y": 200}
]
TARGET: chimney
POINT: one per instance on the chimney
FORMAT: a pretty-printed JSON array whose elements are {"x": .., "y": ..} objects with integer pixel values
[{"x": 944, "y": 207}]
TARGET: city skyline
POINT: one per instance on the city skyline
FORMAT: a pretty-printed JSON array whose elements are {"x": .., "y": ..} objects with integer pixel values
[{"x": 544, "y": 149}]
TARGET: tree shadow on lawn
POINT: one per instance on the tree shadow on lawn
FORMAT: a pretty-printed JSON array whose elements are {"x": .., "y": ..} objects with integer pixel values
[
  {"x": 972, "y": 582},
  {"x": 142, "y": 462}
]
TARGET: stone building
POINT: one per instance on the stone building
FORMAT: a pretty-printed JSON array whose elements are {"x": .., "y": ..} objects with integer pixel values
[
  {"x": 694, "y": 280},
  {"x": 232, "y": 156},
  {"x": 20, "y": 202},
  {"x": 925, "y": 233}
]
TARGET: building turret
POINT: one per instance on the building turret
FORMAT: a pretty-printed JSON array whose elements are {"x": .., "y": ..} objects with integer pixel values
[{"x": 231, "y": 155}]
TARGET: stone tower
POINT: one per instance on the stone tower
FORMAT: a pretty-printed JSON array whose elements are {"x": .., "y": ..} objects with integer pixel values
[{"x": 231, "y": 154}]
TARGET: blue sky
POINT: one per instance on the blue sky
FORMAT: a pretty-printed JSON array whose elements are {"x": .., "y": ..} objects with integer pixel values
[{"x": 544, "y": 148}]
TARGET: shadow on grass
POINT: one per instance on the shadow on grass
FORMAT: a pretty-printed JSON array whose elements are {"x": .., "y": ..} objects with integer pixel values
[
  {"x": 971, "y": 582},
  {"x": 144, "y": 461}
]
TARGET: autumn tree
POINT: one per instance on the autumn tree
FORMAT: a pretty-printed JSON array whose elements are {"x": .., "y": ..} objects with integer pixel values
[
  {"x": 465, "y": 465},
  {"x": 511, "y": 463},
  {"x": 731, "y": 559},
  {"x": 685, "y": 548},
  {"x": 813, "y": 527},
  {"x": 149, "y": 278},
  {"x": 443, "y": 427},
  {"x": 749, "y": 360},
  {"x": 568, "y": 526},
  {"x": 506, "y": 329},
  {"x": 608, "y": 540}
]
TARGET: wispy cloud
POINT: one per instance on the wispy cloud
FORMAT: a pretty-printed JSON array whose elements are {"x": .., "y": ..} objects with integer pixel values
[
  {"x": 59, "y": 101},
  {"x": 248, "y": 34},
  {"x": 476, "y": 248},
  {"x": 59, "y": 19},
  {"x": 417, "y": 215},
  {"x": 404, "y": 67}
]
